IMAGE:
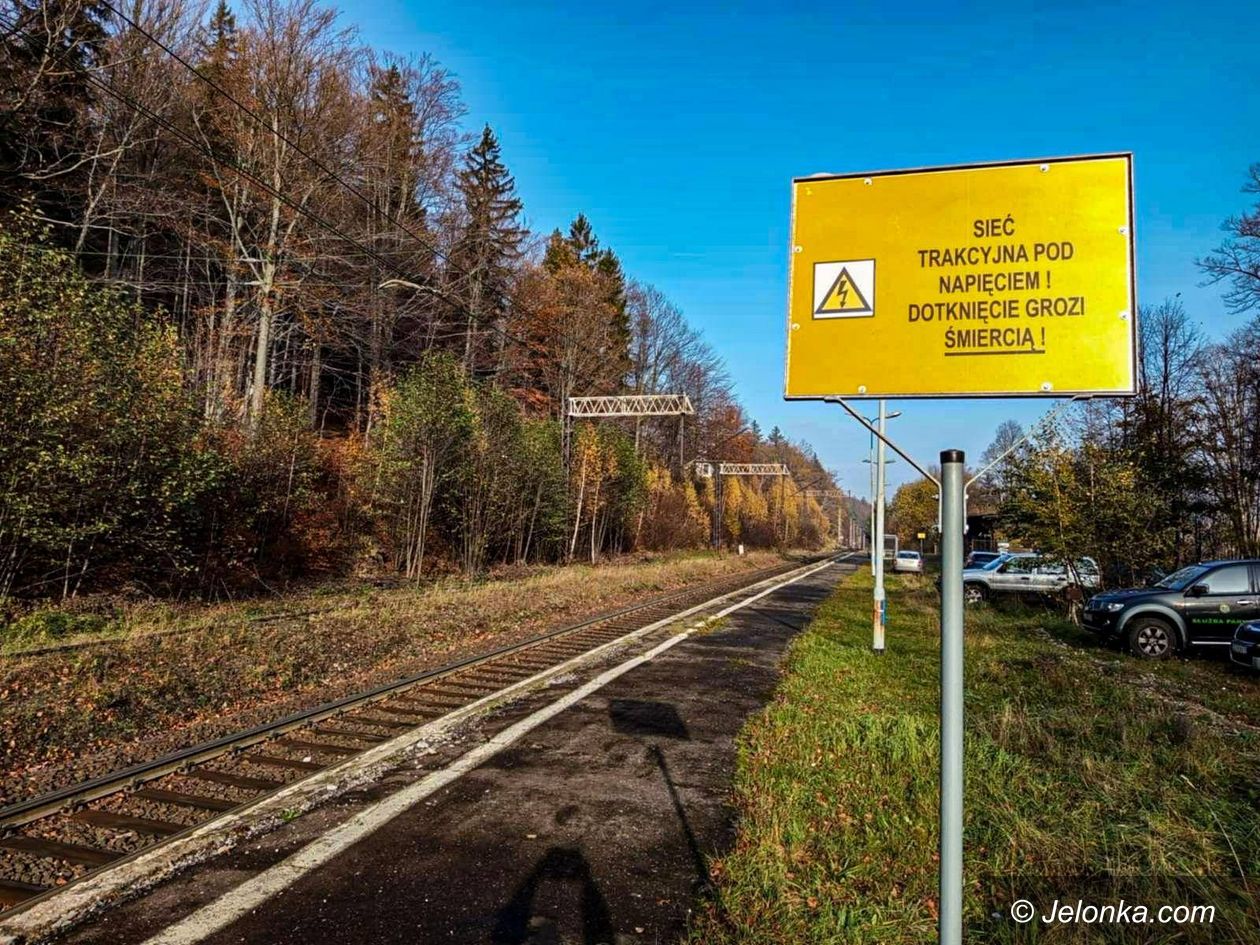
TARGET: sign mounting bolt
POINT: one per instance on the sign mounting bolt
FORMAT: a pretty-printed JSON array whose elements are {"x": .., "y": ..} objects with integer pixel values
[
  {"x": 796, "y": 326},
  {"x": 866, "y": 181},
  {"x": 1123, "y": 230},
  {"x": 797, "y": 249},
  {"x": 861, "y": 388},
  {"x": 1124, "y": 316},
  {"x": 1046, "y": 385},
  {"x": 1045, "y": 168}
]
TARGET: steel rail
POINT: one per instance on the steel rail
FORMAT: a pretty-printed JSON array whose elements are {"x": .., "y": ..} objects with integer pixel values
[
  {"x": 57, "y": 801},
  {"x": 72, "y": 798}
]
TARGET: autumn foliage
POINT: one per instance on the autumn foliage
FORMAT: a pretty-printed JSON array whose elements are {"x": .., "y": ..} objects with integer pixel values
[{"x": 270, "y": 313}]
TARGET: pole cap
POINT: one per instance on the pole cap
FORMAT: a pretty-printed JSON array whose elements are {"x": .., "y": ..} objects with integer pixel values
[{"x": 952, "y": 456}]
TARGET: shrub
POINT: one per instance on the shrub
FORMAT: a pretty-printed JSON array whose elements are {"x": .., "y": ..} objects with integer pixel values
[{"x": 102, "y": 467}]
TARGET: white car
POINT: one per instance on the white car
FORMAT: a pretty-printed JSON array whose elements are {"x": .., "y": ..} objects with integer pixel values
[{"x": 910, "y": 561}]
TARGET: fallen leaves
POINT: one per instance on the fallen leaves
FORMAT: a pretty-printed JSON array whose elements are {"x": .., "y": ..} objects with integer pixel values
[{"x": 71, "y": 715}]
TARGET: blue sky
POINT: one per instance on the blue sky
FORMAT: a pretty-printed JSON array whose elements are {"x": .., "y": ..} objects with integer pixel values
[{"x": 677, "y": 128}]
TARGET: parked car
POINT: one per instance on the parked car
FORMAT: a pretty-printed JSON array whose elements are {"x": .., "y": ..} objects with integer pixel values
[
  {"x": 1201, "y": 605},
  {"x": 1027, "y": 573},
  {"x": 1245, "y": 648},
  {"x": 978, "y": 559},
  {"x": 910, "y": 561}
]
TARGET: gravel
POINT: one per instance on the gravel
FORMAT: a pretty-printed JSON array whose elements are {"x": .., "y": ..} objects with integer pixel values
[
  {"x": 38, "y": 870},
  {"x": 66, "y": 830},
  {"x": 153, "y": 810},
  {"x": 64, "y": 725}
]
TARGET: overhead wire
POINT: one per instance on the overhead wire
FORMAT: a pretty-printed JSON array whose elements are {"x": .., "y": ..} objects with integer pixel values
[
  {"x": 235, "y": 167},
  {"x": 332, "y": 175}
]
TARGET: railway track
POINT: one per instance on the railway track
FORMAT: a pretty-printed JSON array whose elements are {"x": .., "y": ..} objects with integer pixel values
[{"x": 63, "y": 836}]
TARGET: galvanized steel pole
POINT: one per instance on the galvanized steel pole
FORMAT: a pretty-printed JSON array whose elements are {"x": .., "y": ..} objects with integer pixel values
[{"x": 952, "y": 487}]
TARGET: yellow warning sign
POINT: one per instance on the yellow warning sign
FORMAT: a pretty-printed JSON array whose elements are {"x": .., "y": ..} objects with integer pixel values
[{"x": 1011, "y": 279}]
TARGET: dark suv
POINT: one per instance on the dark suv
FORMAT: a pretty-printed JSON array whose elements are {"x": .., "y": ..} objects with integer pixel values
[
  {"x": 1246, "y": 648},
  {"x": 1197, "y": 606}
]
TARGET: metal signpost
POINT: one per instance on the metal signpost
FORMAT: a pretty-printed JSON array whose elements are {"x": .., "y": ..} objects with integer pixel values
[
  {"x": 879, "y": 477},
  {"x": 880, "y": 604},
  {"x": 991, "y": 280},
  {"x": 951, "y": 841}
]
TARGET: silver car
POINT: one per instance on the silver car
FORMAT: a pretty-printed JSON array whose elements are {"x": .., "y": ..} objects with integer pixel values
[
  {"x": 909, "y": 561},
  {"x": 1027, "y": 573}
]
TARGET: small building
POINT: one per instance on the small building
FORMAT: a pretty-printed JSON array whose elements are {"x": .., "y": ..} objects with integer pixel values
[{"x": 981, "y": 534}]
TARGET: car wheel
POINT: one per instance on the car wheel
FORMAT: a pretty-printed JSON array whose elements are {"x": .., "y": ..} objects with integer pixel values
[
  {"x": 975, "y": 594},
  {"x": 1151, "y": 638}
]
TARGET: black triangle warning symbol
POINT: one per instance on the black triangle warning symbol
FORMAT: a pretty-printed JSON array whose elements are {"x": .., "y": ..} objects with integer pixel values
[{"x": 843, "y": 297}]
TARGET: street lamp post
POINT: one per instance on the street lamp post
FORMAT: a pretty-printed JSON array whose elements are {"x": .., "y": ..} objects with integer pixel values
[{"x": 878, "y": 462}]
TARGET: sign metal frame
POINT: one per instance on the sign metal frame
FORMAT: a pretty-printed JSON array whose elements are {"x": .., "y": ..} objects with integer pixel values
[{"x": 1055, "y": 393}]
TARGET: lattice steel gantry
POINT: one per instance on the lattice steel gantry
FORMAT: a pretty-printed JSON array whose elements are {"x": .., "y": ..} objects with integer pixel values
[
  {"x": 636, "y": 406},
  {"x": 705, "y": 469},
  {"x": 631, "y": 405}
]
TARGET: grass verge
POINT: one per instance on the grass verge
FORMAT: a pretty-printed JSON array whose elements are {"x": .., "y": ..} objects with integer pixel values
[{"x": 1090, "y": 776}]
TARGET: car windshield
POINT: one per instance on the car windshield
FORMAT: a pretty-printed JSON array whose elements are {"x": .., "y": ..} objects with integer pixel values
[
  {"x": 1180, "y": 580},
  {"x": 995, "y": 563},
  {"x": 907, "y": 554}
]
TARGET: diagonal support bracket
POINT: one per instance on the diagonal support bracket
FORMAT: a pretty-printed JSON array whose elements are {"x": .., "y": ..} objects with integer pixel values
[
  {"x": 889, "y": 443},
  {"x": 1028, "y": 434}
]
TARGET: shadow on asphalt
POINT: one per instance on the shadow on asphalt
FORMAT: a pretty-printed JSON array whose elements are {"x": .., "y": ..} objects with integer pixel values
[
  {"x": 523, "y": 921},
  {"x": 641, "y": 717},
  {"x": 697, "y": 858}
]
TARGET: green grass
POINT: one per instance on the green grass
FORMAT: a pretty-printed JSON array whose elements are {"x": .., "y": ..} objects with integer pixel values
[
  {"x": 53, "y": 625},
  {"x": 1090, "y": 775}
]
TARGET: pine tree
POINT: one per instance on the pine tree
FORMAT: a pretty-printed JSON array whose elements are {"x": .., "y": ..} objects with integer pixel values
[
  {"x": 583, "y": 240},
  {"x": 489, "y": 246},
  {"x": 397, "y": 148},
  {"x": 44, "y": 124},
  {"x": 581, "y": 247},
  {"x": 219, "y": 43}
]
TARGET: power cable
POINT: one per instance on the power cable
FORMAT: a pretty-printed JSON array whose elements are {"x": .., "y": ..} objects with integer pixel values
[
  {"x": 179, "y": 133},
  {"x": 367, "y": 201}
]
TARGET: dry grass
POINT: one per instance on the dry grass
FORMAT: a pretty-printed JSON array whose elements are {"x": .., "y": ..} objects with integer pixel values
[{"x": 67, "y": 715}]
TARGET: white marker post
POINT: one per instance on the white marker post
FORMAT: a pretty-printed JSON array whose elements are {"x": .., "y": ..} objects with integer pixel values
[{"x": 880, "y": 602}]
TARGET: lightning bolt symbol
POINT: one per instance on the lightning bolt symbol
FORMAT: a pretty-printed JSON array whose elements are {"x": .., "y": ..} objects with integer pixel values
[{"x": 843, "y": 291}]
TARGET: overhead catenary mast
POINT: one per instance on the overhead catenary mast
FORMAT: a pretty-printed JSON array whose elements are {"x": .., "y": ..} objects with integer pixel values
[
  {"x": 705, "y": 470},
  {"x": 633, "y": 405}
]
